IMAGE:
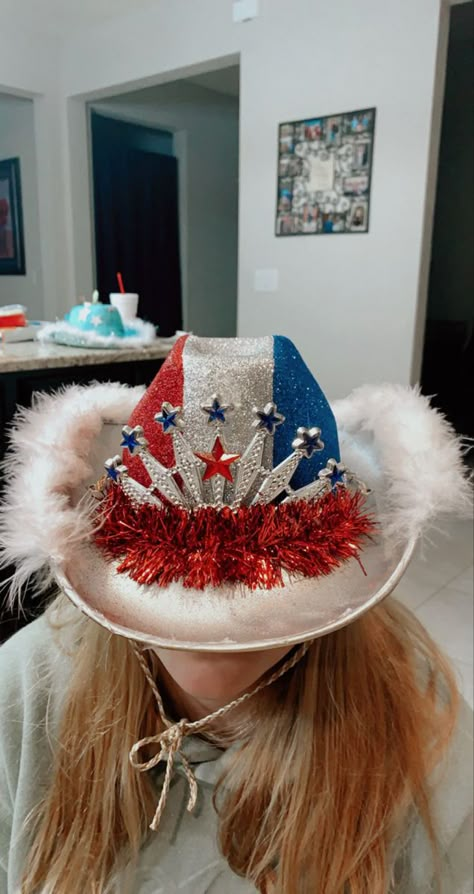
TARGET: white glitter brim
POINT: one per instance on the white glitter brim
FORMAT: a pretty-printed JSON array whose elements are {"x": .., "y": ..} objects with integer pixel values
[{"x": 231, "y": 618}]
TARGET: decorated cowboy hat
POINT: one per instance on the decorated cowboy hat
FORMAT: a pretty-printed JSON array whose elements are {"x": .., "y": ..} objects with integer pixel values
[
  {"x": 229, "y": 507},
  {"x": 92, "y": 324}
]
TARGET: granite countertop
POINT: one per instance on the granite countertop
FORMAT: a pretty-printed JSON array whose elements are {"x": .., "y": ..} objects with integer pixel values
[{"x": 25, "y": 355}]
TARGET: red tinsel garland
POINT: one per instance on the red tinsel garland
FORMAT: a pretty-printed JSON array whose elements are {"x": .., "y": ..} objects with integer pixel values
[{"x": 252, "y": 545}]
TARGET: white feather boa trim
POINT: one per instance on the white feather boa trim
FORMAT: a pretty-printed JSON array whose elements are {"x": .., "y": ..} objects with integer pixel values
[
  {"x": 389, "y": 436},
  {"x": 136, "y": 335},
  {"x": 408, "y": 453},
  {"x": 53, "y": 456}
]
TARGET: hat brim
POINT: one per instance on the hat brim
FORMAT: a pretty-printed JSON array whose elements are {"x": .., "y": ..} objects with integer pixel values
[
  {"x": 230, "y": 618},
  {"x": 62, "y": 333},
  {"x": 404, "y": 451}
]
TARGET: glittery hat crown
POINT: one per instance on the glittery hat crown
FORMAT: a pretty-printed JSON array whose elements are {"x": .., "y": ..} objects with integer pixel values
[{"x": 227, "y": 448}]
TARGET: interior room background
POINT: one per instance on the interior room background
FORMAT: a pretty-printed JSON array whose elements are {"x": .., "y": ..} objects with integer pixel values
[{"x": 218, "y": 94}]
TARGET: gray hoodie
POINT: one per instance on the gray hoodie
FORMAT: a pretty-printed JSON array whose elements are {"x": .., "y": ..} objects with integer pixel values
[{"x": 183, "y": 856}]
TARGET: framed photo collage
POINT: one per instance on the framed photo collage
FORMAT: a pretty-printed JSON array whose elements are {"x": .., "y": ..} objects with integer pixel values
[{"x": 324, "y": 174}]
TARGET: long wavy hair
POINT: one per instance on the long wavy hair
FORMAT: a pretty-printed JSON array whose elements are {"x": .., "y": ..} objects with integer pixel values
[{"x": 311, "y": 802}]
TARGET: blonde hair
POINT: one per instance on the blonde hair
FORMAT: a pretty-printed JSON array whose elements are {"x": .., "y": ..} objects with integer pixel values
[{"x": 310, "y": 803}]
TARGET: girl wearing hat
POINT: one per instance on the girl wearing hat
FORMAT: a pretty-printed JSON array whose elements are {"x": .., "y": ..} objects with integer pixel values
[{"x": 229, "y": 700}]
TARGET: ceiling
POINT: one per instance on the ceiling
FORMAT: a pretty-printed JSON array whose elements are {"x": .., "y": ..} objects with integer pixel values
[
  {"x": 224, "y": 80},
  {"x": 62, "y": 16}
]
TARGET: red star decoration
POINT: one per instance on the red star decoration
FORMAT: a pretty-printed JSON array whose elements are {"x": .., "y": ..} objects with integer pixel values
[{"x": 218, "y": 462}]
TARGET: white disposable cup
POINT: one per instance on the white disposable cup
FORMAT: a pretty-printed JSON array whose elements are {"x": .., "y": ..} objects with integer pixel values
[{"x": 126, "y": 303}]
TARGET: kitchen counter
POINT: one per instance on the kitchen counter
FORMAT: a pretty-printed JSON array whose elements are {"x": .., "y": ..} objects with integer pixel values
[
  {"x": 33, "y": 355},
  {"x": 30, "y": 366}
]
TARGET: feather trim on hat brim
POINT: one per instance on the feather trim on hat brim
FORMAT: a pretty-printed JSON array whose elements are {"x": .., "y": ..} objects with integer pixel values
[
  {"x": 62, "y": 333},
  {"x": 56, "y": 451},
  {"x": 389, "y": 436},
  {"x": 409, "y": 454}
]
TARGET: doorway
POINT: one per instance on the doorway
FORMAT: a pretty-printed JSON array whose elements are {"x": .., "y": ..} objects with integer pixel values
[
  {"x": 195, "y": 121},
  {"x": 135, "y": 186},
  {"x": 449, "y": 334}
]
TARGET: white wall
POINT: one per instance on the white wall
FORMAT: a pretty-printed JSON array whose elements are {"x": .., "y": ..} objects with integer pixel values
[
  {"x": 352, "y": 304},
  {"x": 30, "y": 67},
  {"x": 205, "y": 124},
  {"x": 17, "y": 140}
]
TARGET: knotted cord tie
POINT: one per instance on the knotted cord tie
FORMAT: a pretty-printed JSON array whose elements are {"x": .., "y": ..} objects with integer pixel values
[{"x": 170, "y": 740}]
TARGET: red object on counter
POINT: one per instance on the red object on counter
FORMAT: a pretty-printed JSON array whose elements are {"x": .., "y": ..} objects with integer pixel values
[{"x": 10, "y": 321}]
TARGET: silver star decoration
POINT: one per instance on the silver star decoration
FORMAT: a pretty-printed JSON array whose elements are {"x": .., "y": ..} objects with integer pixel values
[
  {"x": 170, "y": 418},
  {"x": 308, "y": 441},
  {"x": 332, "y": 468},
  {"x": 115, "y": 468},
  {"x": 215, "y": 410},
  {"x": 268, "y": 418},
  {"x": 96, "y": 320},
  {"x": 133, "y": 439}
]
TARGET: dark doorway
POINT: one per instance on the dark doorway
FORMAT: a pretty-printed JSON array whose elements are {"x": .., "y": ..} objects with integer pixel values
[
  {"x": 135, "y": 184},
  {"x": 449, "y": 343}
]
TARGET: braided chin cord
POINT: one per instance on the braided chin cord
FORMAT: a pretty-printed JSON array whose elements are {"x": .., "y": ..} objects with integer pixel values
[{"x": 170, "y": 740}]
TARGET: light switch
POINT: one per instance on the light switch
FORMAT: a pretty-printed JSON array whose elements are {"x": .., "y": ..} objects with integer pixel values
[
  {"x": 244, "y": 10},
  {"x": 266, "y": 280}
]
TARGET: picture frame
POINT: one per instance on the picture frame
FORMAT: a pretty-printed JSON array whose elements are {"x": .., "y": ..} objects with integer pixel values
[
  {"x": 324, "y": 174},
  {"x": 12, "y": 245}
]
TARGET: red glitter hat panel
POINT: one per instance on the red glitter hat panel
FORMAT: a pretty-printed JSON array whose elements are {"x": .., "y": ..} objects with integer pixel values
[{"x": 166, "y": 386}]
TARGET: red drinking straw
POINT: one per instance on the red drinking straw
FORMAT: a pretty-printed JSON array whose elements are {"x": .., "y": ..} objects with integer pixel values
[{"x": 120, "y": 283}]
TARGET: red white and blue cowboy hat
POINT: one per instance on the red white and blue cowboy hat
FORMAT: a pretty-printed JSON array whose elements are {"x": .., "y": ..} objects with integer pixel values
[{"x": 229, "y": 507}]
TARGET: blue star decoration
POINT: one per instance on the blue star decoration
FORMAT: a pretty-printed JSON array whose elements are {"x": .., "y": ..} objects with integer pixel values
[
  {"x": 114, "y": 468},
  {"x": 215, "y": 410},
  {"x": 333, "y": 474},
  {"x": 133, "y": 438},
  {"x": 169, "y": 418},
  {"x": 268, "y": 418},
  {"x": 308, "y": 441}
]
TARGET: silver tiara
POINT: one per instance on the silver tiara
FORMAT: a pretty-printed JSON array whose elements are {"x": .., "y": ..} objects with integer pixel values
[{"x": 220, "y": 477}]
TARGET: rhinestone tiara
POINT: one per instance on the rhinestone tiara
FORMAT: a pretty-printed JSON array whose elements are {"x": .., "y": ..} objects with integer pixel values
[{"x": 220, "y": 477}]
